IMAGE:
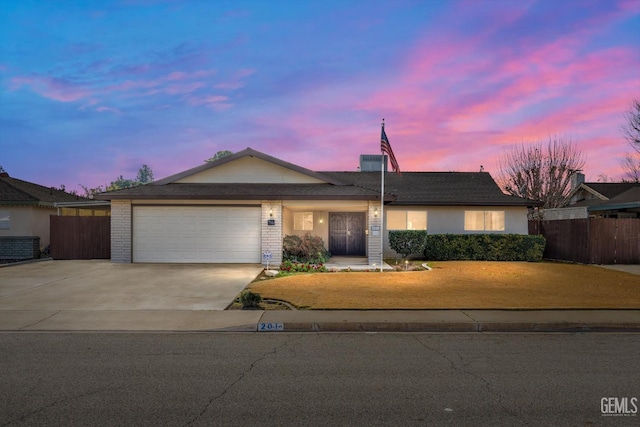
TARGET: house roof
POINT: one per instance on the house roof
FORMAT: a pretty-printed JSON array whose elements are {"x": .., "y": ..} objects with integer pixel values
[
  {"x": 436, "y": 188},
  {"x": 18, "y": 192},
  {"x": 241, "y": 191},
  {"x": 609, "y": 189},
  {"x": 601, "y": 191},
  {"x": 410, "y": 188},
  {"x": 626, "y": 200}
]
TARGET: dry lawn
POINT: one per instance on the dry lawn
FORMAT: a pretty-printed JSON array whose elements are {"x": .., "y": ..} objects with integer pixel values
[{"x": 461, "y": 284}]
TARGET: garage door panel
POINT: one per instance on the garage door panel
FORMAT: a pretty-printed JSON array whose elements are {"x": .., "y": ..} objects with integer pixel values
[{"x": 196, "y": 234}]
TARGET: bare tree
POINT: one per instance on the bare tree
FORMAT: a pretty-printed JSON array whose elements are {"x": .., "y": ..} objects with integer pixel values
[
  {"x": 631, "y": 130},
  {"x": 540, "y": 171},
  {"x": 90, "y": 192},
  {"x": 631, "y": 165}
]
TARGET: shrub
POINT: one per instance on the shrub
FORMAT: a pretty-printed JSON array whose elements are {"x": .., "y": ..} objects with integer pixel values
[
  {"x": 306, "y": 249},
  {"x": 408, "y": 242},
  {"x": 249, "y": 299},
  {"x": 484, "y": 247},
  {"x": 300, "y": 267}
]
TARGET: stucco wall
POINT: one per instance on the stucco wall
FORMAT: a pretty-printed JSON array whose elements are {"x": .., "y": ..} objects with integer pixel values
[
  {"x": 250, "y": 170},
  {"x": 29, "y": 221},
  {"x": 450, "y": 220}
]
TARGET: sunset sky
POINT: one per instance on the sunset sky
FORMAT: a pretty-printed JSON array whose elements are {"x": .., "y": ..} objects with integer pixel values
[{"x": 92, "y": 90}]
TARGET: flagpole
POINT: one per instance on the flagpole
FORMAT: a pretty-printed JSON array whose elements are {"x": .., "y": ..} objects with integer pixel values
[{"x": 382, "y": 164}]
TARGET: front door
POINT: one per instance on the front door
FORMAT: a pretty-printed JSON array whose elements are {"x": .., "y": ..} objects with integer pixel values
[{"x": 346, "y": 233}]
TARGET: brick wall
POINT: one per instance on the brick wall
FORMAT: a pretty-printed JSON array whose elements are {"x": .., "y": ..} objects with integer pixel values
[
  {"x": 121, "y": 231},
  {"x": 19, "y": 247},
  {"x": 272, "y": 234},
  {"x": 565, "y": 213},
  {"x": 374, "y": 243}
]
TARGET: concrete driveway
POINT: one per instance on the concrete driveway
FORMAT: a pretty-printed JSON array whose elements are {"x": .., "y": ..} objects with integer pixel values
[{"x": 102, "y": 285}]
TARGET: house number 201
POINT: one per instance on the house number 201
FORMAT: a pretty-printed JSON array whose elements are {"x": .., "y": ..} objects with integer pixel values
[{"x": 270, "y": 327}]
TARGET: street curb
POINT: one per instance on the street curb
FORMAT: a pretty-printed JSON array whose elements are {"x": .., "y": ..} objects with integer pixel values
[
  {"x": 558, "y": 327},
  {"x": 455, "y": 327},
  {"x": 449, "y": 321}
]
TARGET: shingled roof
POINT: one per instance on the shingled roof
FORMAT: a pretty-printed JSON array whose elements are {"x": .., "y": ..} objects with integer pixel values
[
  {"x": 242, "y": 191},
  {"x": 18, "y": 192},
  {"x": 436, "y": 188},
  {"x": 626, "y": 200},
  {"x": 410, "y": 188},
  {"x": 609, "y": 189}
]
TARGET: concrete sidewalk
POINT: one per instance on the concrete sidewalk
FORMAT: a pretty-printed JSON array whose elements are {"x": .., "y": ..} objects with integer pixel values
[{"x": 322, "y": 320}]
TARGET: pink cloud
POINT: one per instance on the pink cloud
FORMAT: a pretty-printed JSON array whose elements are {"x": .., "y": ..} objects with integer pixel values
[
  {"x": 181, "y": 75},
  {"x": 507, "y": 97},
  {"x": 216, "y": 102},
  {"x": 235, "y": 82},
  {"x": 52, "y": 88},
  {"x": 108, "y": 109}
]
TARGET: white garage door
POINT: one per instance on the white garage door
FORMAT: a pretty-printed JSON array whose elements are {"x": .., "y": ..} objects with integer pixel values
[{"x": 196, "y": 234}]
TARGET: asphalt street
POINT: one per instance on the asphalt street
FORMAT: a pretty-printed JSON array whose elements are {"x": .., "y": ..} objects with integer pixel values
[{"x": 204, "y": 379}]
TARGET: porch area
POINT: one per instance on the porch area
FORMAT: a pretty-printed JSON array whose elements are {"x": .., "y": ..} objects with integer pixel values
[
  {"x": 343, "y": 225},
  {"x": 342, "y": 263}
]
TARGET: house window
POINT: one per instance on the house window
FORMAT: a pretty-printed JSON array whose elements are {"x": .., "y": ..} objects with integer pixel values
[
  {"x": 406, "y": 220},
  {"x": 303, "y": 221},
  {"x": 484, "y": 220},
  {"x": 5, "y": 220}
]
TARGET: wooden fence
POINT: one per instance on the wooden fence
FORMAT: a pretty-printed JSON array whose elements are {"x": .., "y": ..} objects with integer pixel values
[
  {"x": 591, "y": 241},
  {"x": 80, "y": 237}
]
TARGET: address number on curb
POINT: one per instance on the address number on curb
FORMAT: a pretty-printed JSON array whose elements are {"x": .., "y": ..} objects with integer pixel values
[{"x": 270, "y": 327}]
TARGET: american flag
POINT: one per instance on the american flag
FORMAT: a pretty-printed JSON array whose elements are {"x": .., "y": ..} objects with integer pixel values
[{"x": 386, "y": 148}]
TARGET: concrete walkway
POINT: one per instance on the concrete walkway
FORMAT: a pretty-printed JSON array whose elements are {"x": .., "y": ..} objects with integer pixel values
[
  {"x": 627, "y": 268},
  {"x": 322, "y": 320}
]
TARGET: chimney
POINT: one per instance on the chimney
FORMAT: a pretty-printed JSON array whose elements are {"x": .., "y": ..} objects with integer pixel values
[
  {"x": 372, "y": 162},
  {"x": 576, "y": 179}
]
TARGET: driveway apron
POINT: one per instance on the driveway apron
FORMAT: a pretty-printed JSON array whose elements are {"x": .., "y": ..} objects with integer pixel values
[{"x": 102, "y": 285}]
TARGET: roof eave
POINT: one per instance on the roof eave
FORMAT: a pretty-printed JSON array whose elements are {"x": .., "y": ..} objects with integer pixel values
[
  {"x": 245, "y": 197},
  {"x": 616, "y": 206},
  {"x": 19, "y": 202}
]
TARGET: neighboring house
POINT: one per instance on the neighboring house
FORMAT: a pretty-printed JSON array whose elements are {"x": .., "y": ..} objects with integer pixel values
[
  {"x": 25, "y": 208},
  {"x": 235, "y": 209},
  {"x": 598, "y": 200},
  {"x": 623, "y": 205}
]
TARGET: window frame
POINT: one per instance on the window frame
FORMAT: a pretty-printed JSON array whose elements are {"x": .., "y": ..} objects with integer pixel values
[
  {"x": 6, "y": 221},
  {"x": 406, "y": 219},
  {"x": 484, "y": 220},
  {"x": 305, "y": 221}
]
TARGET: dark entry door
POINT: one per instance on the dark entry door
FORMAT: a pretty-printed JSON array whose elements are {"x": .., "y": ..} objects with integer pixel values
[{"x": 346, "y": 233}]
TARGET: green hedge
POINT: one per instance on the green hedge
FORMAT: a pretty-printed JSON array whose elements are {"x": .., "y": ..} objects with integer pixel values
[
  {"x": 408, "y": 242},
  {"x": 484, "y": 247}
]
